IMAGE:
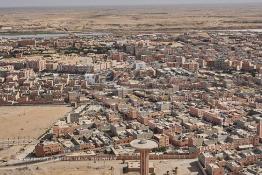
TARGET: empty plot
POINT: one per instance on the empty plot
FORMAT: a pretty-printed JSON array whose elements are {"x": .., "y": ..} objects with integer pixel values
[{"x": 28, "y": 121}]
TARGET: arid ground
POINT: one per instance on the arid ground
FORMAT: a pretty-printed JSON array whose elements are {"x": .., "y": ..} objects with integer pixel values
[
  {"x": 28, "y": 121},
  {"x": 98, "y": 168},
  {"x": 132, "y": 19}
]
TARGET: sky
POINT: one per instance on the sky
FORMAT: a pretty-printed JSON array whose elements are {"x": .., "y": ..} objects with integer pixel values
[{"x": 55, "y": 3}]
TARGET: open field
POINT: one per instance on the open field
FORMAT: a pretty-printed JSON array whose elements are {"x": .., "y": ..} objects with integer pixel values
[
  {"x": 132, "y": 19},
  {"x": 28, "y": 121},
  {"x": 10, "y": 153},
  {"x": 98, "y": 168}
]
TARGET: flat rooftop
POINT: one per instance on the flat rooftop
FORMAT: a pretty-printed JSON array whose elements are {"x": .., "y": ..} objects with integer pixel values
[{"x": 142, "y": 144}]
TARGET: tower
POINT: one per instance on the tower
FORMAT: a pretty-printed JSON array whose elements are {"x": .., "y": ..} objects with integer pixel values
[{"x": 144, "y": 147}]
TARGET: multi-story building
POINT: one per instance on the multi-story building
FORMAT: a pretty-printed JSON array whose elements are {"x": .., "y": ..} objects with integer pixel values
[{"x": 49, "y": 148}]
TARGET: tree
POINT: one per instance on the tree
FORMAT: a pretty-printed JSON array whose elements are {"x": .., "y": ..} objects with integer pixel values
[
  {"x": 176, "y": 170},
  {"x": 253, "y": 73}
]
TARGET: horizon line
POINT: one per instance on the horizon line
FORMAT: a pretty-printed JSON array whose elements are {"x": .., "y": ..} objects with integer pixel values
[{"x": 132, "y": 5}]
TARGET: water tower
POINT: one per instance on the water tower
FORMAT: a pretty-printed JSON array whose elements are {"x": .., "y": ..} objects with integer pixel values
[{"x": 144, "y": 147}]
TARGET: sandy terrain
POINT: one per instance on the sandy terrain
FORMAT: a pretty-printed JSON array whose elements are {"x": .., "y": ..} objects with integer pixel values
[
  {"x": 28, "y": 121},
  {"x": 10, "y": 153},
  {"x": 98, "y": 168},
  {"x": 132, "y": 19}
]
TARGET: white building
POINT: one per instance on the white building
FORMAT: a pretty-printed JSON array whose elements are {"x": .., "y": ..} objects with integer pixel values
[{"x": 140, "y": 65}]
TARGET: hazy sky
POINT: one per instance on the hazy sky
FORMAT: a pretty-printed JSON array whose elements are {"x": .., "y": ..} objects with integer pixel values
[{"x": 24, "y": 3}]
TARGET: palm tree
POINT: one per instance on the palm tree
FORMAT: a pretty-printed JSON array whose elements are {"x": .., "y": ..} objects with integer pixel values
[{"x": 176, "y": 170}]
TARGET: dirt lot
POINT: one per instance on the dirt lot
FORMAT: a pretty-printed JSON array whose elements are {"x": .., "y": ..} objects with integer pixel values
[
  {"x": 185, "y": 167},
  {"x": 28, "y": 121},
  {"x": 10, "y": 153}
]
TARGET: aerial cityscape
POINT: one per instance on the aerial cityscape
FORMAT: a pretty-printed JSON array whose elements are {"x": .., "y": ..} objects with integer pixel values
[{"x": 130, "y": 87}]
